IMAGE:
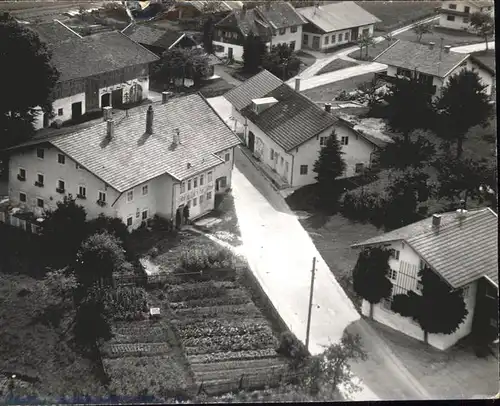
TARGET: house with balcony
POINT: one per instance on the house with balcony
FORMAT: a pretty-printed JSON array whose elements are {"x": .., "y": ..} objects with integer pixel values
[
  {"x": 456, "y": 14},
  {"x": 462, "y": 248},
  {"x": 433, "y": 65},
  {"x": 331, "y": 25},
  {"x": 286, "y": 130},
  {"x": 151, "y": 160},
  {"x": 275, "y": 23},
  {"x": 104, "y": 69}
]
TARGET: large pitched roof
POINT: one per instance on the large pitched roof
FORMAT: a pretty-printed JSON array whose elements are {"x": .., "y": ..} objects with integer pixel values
[
  {"x": 132, "y": 157},
  {"x": 152, "y": 36},
  {"x": 94, "y": 54},
  {"x": 293, "y": 120},
  {"x": 411, "y": 55},
  {"x": 53, "y": 32},
  {"x": 338, "y": 16},
  {"x": 246, "y": 21},
  {"x": 254, "y": 88},
  {"x": 460, "y": 250},
  {"x": 280, "y": 15},
  {"x": 219, "y": 6}
]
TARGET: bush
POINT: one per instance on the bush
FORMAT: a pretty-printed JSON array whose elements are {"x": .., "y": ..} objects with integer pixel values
[
  {"x": 197, "y": 259},
  {"x": 291, "y": 347},
  {"x": 359, "y": 205},
  {"x": 122, "y": 303}
]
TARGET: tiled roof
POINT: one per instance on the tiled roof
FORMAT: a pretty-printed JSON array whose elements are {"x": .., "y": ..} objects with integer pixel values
[
  {"x": 486, "y": 59},
  {"x": 293, "y": 120},
  {"x": 338, "y": 16},
  {"x": 151, "y": 36},
  {"x": 94, "y": 54},
  {"x": 254, "y": 88},
  {"x": 132, "y": 157},
  {"x": 247, "y": 21},
  {"x": 461, "y": 251},
  {"x": 411, "y": 55},
  {"x": 221, "y": 5},
  {"x": 53, "y": 32},
  {"x": 281, "y": 15}
]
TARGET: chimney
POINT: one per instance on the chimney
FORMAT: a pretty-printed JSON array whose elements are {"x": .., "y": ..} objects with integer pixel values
[
  {"x": 176, "y": 138},
  {"x": 107, "y": 113},
  {"x": 149, "y": 120},
  {"x": 447, "y": 48},
  {"x": 431, "y": 45},
  {"x": 297, "y": 84},
  {"x": 328, "y": 107},
  {"x": 111, "y": 129},
  {"x": 436, "y": 220},
  {"x": 164, "y": 97}
]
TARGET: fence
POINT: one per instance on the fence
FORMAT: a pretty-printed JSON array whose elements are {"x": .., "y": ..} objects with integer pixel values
[{"x": 23, "y": 224}]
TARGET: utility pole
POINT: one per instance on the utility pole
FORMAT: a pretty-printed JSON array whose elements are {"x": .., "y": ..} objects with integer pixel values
[{"x": 310, "y": 303}]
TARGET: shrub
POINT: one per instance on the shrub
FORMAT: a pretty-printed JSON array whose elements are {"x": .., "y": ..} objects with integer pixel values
[
  {"x": 197, "y": 259},
  {"x": 362, "y": 206},
  {"x": 153, "y": 252},
  {"x": 122, "y": 303},
  {"x": 291, "y": 347}
]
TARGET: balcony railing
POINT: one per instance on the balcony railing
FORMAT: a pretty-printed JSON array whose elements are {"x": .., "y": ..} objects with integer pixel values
[
  {"x": 80, "y": 196},
  {"x": 101, "y": 203},
  {"x": 60, "y": 190},
  {"x": 39, "y": 184},
  {"x": 21, "y": 178}
]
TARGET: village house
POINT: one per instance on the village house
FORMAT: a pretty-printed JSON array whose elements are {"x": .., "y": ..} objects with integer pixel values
[
  {"x": 275, "y": 23},
  {"x": 183, "y": 10},
  {"x": 286, "y": 130},
  {"x": 144, "y": 162},
  {"x": 462, "y": 248},
  {"x": 331, "y": 25},
  {"x": 456, "y": 14},
  {"x": 104, "y": 69},
  {"x": 158, "y": 40},
  {"x": 432, "y": 64}
]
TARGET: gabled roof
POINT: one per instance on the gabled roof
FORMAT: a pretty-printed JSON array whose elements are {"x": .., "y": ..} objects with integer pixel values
[
  {"x": 219, "y": 6},
  {"x": 94, "y": 54},
  {"x": 338, "y": 16},
  {"x": 246, "y": 21},
  {"x": 411, "y": 55},
  {"x": 53, "y": 32},
  {"x": 280, "y": 15},
  {"x": 254, "y": 88},
  {"x": 293, "y": 120},
  {"x": 152, "y": 36},
  {"x": 133, "y": 157},
  {"x": 485, "y": 59},
  {"x": 461, "y": 251}
]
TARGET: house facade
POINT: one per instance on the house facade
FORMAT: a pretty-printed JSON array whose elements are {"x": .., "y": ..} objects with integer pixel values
[
  {"x": 432, "y": 65},
  {"x": 331, "y": 25},
  {"x": 132, "y": 166},
  {"x": 456, "y": 14},
  {"x": 286, "y": 131},
  {"x": 96, "y": 71},
  {"x": 438, "y": 242},
  {"x": 275, "y": 23}
]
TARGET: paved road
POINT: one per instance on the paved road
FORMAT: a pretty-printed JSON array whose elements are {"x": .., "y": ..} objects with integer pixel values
[{"x": 473, "y": 48}]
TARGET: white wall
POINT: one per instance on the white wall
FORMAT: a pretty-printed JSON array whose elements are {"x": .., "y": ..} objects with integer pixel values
[
  {"x": 459, "y": 23},
  {"x": 237, "y": 50},
  {"x": 225, "y": 169},
  {"x": 334, "y": 34},
  {"x": 288, "y": 37},
  {"x": 64, "y": 103},
  {"x": 53, "y": 172},
  {"x": 144, "y": 83}
]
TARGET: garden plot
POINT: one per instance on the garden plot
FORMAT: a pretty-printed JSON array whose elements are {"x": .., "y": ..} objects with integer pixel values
[{"x": 227, "y": 341}]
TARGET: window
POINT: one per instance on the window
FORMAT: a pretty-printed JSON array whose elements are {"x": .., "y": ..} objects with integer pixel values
[
  {"x": 209, "y": 195},
  {"x": 78, "y": 167},
  {"x": 386, "y": 303},
  {"x": 22, "y": 197},
  {"x": 466, "y": 20},
  {"x": 465, "y": 291},
  {"x": 195, "y": 202},
  {"x": 272, "y": 154},
  {"x": 422, "y": 264},
  {"x": 60, "y": 186},
  {"x": 227, "y": 157},
  {"x": 392, "y": 274},
  {"x": 189, "y": 203},
  {"x": 22, "y": 174},
  {"x": 322, "y": 140},
  {"x": 189, "y": 184},
  {"x": 293, "y": 29},
  {"x": 305, "y": 39},
  {"x": 39, "y": 180},
  {"x": 466, "y": 9},
  {"x": 183, "y": 187},
  {"x": 419, "y": 286},
  {"x": 144, "y": 214},
  {"x": 346, "y": 35},
  {"x": 292, "y": 45},
  {"x": 61, "y": 159},
  {"x": 201, "y": 199},
  {"x": 209, "y": 177},
  {"x": 344, "y": 141},
  {"x": 82, "y": 192},
  {"x": 334, "y": 37},
  {"x": 281, "y": 162},
  {"x": 202, "y": 179},
  {"x": 450, "y": 18},
  {"x": 60, "y": 112},
  {"x": 282, "y": 31},
  {"x": 39, "y": 203},
  {"x": 130, "y": 220},
  {"x": 395, "y": 254},
  {"x": 365, "y": 32},
  {"x": 303, "y": 169},
  {"x": 130, "y": 195},
  {"x": 145, "y": 190},
  {"x": 40, "y": 153},
  {"x": 102, "y": 197},
  {"x": 326, "y": 39},
  {"x": 452, "y": 6},
  {"x": 359, "y": 167},
  {"x": 223, "y": 182},
  {"x": 195, "y": 182}
]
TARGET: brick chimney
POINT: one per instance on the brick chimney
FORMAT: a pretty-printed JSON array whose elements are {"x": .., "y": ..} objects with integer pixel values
[
  {"x": 177, "y": 138},
  {"x": 297, "y": 84},
  {"x": 149, "y": 120},
  {"x": 431, "y": 45},
  {"x": 110, "y": 133},
  {"x": 447, "y": 48},
  {"x": 462, "y": 211},
  {"x": 107, "y": 113},
  {"x": 436, "y": 220},
  {"x": 328, "y": 107}
]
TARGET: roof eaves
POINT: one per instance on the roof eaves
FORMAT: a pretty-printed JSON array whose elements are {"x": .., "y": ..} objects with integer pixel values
[
  {"x": 311, "y": 137},
  {"x": 126, "y": 28},
  {"x": 483, "y": 65},
  {"x": 385, "y": 50},
  {"x": 177, "y": 41},
  {"x": 456, "y": 65},
  {"x": 143, "y": 47},
  {"x": 68, "y": 28}
]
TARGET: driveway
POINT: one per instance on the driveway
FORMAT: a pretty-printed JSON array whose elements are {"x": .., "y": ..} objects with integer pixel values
[{"x": 473, "y": 48}]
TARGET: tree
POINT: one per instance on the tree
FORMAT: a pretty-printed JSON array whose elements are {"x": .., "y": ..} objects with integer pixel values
[
  {"x": 281, "y": 61},
  {"x": 462, "y": 105},
  {"x": 365, "y": 41},
  {"x": 99, "y": 257},
  {"x": 21, "y": 48},
  {"x": 370, "y": 273},
  {"x": 208, "y": 35},
  {"x": 422, "y": 29},
  {"x": 197, "y": 66},
  {"x": 389, "y": 37},
  {"x": 328, "y": 167},
  {"x": 415, "y": 152},
  {"x": 408, "y": 105},
  {"x": 63, "y": 231},
  {"x": 114, "y": 226},
  {"x": 440, "y": 309},
  {"x": 180, "y": 64},
  {"x": 483, "y": 24},
  {"x": 254, "y": 50}
]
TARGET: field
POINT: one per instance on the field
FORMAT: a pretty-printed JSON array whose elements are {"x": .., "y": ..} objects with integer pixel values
[
  {"x": 335, "y": 65},
  {"x": 395, "y": 14}
]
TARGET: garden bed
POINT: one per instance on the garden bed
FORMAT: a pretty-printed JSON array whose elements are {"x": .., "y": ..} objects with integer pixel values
[{"x": 335, "y": 65}]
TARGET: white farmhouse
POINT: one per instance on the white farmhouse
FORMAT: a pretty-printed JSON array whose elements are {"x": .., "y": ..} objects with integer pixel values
[
  {"x": 462, "y": 248},
  {"x": 152, "y": 160},
  {"x": 456, "y": 14}
]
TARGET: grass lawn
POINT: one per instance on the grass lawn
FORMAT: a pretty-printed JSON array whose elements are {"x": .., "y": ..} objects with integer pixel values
[
  {"x": 336, "y": 64},
  {"x": 327, "y": 93},
  {"x": 450, "y": 37},
  {"x": 395, "y": 14}
]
